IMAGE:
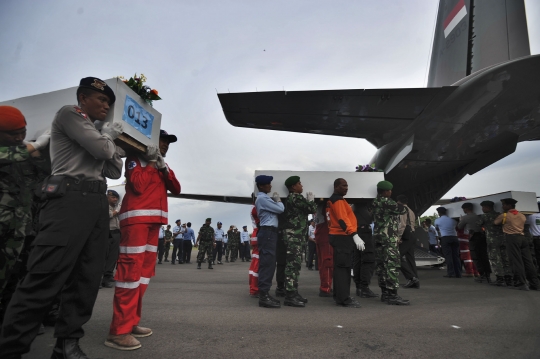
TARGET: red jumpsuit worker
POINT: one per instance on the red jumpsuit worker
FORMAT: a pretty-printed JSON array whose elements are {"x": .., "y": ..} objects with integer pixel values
[
  {"x": 254, "y": 266},
  {"x": 143, "y": 211}
]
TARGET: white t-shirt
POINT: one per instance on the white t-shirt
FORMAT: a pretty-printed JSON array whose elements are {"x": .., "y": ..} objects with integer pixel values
[{"x": 534, "y": 224}]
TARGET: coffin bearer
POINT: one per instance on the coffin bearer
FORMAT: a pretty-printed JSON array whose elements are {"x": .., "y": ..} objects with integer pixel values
[
  {"x": 22, "y": 167},
  {"x": 498, "y": 258},
  {"x": 114, "y": 239},
  {"x": 206, "y": 242},
  {"x": 144, "y": 210},
  {"x": 297, "y": 209},
  {"x": 513, "y": 224},
  {"x": 268, "y": 209},
  {"x": 344, "y": 239},
  {"x": 386, "y": 214},
  {"x": 477, "y": 242},
  {"x": 364, "y": 261},
  {"x": 69, "y": 254}
]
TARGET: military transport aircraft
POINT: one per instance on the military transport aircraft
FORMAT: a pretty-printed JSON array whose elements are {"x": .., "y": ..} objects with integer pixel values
[{"x": 482, "y": 99}]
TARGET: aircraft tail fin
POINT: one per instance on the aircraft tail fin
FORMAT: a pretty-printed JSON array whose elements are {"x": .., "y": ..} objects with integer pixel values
[{"x": 473, "y": 34}]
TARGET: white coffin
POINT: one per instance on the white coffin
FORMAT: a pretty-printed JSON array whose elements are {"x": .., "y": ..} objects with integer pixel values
[
  {"x": 40, "y": 110},
  {"x": 527, "y": 203},
  {"x": 362, "y": 185}
]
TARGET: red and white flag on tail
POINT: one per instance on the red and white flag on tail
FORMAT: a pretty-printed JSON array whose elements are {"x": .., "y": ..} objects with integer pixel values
[{"x": 456, "y": 15}]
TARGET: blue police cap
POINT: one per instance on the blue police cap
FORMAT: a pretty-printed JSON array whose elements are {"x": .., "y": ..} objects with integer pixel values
[
  {"x": 113, "y": 193},
  {"x": 263, "y": 179},
  {"x": 220, "y": 223},
  {"x": 168, "y": 137}
]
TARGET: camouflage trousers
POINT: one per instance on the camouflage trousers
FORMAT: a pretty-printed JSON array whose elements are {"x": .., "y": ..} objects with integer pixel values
[
  {"x": 388, "y": 261},
  {"x": 13, "y": 227},
  {"x": 293, "y": 259},
  {"x": 205, "y": 247},
  {"x": 232, "y": 247},
  {"x": 498, "y": 258}
]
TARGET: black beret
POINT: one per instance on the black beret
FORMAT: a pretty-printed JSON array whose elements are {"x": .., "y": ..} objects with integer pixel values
[
  {"x": 98, "y": 85},
  {"x": 509, "y": 201}
]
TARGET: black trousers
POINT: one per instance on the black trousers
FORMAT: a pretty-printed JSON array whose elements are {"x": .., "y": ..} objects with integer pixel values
[
  {"x": 343, "y": 250},
  {"x": 245, "y": 251},
  {"x": 312, "y": 249},
  {"x": 450, "y": 251},
  {"x": 406, "y": 253},
  {"x": 478, "y": 248},
  {"x": 536, "y": 253},
  {"x": 517, "y": 247},
  {"x": 281, "y": 260},
  {"x": 113, "y": 249},
  {"x": 68, "y": 258},
  {"x": 177, "y": 250},
  {"x": 364, "y": 262},
  {"x": 187, "y": 247},
  {"x": 160, "y": 248},
  {"x": 266, "y": 240},
  {"x": 218, "y": 250}
]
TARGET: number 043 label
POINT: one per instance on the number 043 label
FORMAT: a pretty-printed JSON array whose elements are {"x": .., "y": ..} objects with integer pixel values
[{"x": 138, "y": 117}]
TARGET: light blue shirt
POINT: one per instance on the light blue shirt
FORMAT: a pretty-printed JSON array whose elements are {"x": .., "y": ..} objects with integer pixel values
[
  {"x": 446, "y": 225},
  {"x": 268, "y": 210},
  {"x": 432, "y": 232},
  {"x": 189, "y": 235}
]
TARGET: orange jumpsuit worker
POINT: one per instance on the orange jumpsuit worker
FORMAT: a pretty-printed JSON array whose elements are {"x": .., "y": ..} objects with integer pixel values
[{"x": 143, "y": 211}]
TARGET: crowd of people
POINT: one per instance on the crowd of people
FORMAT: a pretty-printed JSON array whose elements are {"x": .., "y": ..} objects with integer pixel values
[{"x": 51, "y": 256}]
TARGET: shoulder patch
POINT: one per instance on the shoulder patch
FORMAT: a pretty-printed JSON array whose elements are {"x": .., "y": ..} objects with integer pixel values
[
  {"x": 132, "y": 165},
  {"x": 79, "y": 111}
]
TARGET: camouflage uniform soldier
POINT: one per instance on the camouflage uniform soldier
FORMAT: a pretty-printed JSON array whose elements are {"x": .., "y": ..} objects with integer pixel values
[
  {"x": 21, "y": 169},
  {"x": 294, "y": 227},
  {"x": 168, "y": 239},
  {"x": 386, "y": 214},
  {"x": 234, "y": 243},
  {"x": 207, "y": 243},
  {"x": 498, "y": 258}
]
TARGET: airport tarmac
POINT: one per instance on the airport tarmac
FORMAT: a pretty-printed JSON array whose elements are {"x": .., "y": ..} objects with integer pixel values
[{"x": 209, "y": 314}]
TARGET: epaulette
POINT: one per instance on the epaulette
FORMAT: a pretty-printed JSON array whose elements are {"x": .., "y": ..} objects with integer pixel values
[{"x": 80, "y": 112}]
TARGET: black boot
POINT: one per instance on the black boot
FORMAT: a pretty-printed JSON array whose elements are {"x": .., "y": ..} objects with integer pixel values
[
  {"x": 266, "y": 301},
  {"x": 226, "y": 259},
  {"x": 508, "y": 280},
  {"x": 499, "y": 282},
  {"x": 280, "y": 290},
  {"x": 413, "y": 283},
  {"x": 68, "y": 349},
  {"x": 198, "y": 265},
  {"x": 488, "y": 278},
  {"x": 210, "y": 265},
  {"x": 394, "y": 299},
  {"x": 292, "y": 301},
  {"x": 384, "y": 295},
  {"x": 365, "y": 292},
  {"x": 300, "y": 298}
]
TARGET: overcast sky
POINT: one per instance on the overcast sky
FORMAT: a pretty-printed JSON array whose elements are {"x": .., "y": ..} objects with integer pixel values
[{"x": 188, "y": 50}]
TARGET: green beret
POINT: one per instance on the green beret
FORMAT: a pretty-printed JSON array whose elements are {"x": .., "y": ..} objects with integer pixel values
[
  {"x": 487, "y": 204},
  {"x": 385, "y": 185},
  {"x": 209, "y": 220},
  {"x": 291, "y": 181}
]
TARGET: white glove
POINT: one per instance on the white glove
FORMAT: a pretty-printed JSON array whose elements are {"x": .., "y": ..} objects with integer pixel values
[
  {"x": 359, "y": 242},
  {"x": 275, "y": 197},
  {"x": 112, "y": 131},
  {"x": 42, "y": 140},
  {"x": 161, "y": 163},
  {"x": 152, "y": 152},
  {"x": 310, "y": 196}
]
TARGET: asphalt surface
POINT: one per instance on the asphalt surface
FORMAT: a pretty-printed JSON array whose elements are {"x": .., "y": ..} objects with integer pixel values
[{"x": 208, "y": 314}]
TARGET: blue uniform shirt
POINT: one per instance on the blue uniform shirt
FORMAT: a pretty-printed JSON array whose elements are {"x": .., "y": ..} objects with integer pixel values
[
  {"x": 189, "y": 235},
  {"x": 446, "y": 225},
  {"x": 268, "y": 210}
]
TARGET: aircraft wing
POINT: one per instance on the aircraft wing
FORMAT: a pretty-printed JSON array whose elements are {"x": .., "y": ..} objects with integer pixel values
[{"x": 379, "y": 116}]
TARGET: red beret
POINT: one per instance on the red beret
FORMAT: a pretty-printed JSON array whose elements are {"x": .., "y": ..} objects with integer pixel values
[{"x": 11, "y": 119}]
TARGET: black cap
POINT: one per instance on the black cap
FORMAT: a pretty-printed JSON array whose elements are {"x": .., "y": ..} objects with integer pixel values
[
  {"x": 113, "y": 193},
  {"x": 98, "y": 85},
  {"x": 165, "y": 134},
  {"x": 441, "y": 209},
  {"x": 509, "y": 201}
]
